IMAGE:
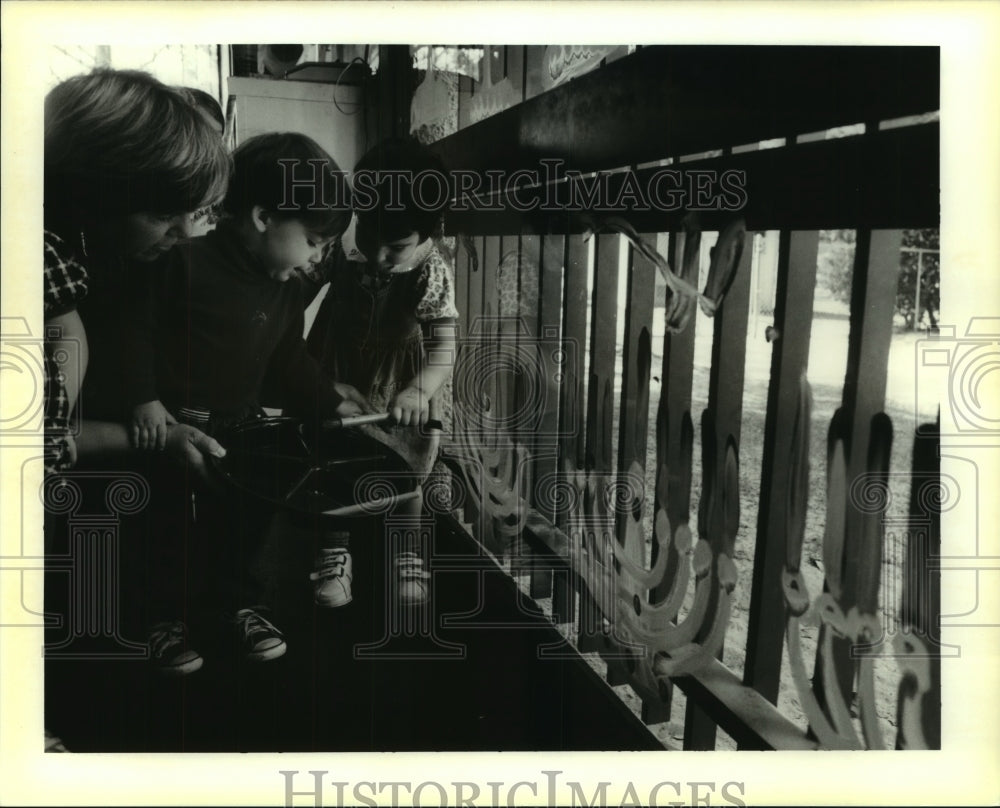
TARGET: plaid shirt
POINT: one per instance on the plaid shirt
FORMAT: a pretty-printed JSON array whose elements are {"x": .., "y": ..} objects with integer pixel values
[{"x": 66, "y": 282}]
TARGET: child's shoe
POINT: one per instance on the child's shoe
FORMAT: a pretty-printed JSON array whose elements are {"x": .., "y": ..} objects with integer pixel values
[
  {"x": 260, "y": 640},
  {"x": 169, "y": 651},
  {"x": 332, "y": 577},
  {"x": 412, "y": 580}
]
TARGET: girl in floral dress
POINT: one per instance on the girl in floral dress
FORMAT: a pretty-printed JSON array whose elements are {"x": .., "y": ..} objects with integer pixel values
[{"x": 387, "y": 326}]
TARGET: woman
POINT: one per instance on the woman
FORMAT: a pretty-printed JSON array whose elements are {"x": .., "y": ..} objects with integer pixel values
[
  {"x": 128, "y": 161},
  {"x": 129, "y": 164}
]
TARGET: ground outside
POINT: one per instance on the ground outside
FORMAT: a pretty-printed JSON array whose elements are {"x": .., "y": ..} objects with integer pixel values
[{"x": 491, "y": 674}]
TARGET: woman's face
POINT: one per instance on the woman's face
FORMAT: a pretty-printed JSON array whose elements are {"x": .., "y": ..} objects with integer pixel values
[{"x": 146, "y": 236}]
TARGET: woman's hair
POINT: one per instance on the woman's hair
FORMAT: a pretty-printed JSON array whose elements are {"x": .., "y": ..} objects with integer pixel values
[
  {"x": 205, "y": 104},
  {"x": 119, "y": 142},
  {"x": 404, "y": 184},
  {"x": 292, "y": 177}
]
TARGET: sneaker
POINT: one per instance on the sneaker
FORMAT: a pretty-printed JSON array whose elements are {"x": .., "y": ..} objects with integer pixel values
[
  {"x": 261, "y": 641},
  {"x": 332, "y": 577},
  {"x": 412, "y": 580},
  {"x": 169, "y": 651}
]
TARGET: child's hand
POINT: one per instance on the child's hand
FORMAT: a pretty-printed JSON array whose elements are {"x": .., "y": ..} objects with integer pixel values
[
  {"x": 410, "y": 407},
  {"x": 354, "y": 403},
  {"x": 149, "y": 425}
]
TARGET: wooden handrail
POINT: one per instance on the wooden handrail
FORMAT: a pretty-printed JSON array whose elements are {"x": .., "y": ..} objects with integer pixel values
[
  {"x": 676, "y": 100},
  {"x": 883, "y": 180}
]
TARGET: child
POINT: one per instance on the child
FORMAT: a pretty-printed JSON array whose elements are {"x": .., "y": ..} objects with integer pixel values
[
  {"x": 390, "y": 308},
  {"x": 220, "y": 324}
]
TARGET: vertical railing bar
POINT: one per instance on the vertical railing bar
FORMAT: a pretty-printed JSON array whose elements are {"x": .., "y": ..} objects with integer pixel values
[
  {"x": 636, "y": 365},
  {"x": 572, "y": 423},
  {"x": 873, "y": 296},
  {"x": 725, "y": 408},
  {"x": 507, "y": 309},
  {"x": 676, "y": 378},
  {"x": 510, "y": 376},
  {"x": 572, "y": 255},
  {"x": 475, "y": 286},
  {"x": 533, "y": 392},
  {"x": 465, "y": 90},
  {"x": 550, "y": 251},
  {"x": 865, "y": 395},
  {"x": 633, "y": 411},
  {"x": 676, "y": 381},
  {"x": 462, "y": 286},
  {"x": 462, "y": 268},
  {"x": 474, "y": 302},
  {"x": 600, "y": 413},
  {"x": 489, "y": 266},
  {"x": 796, "y": 286},
  {"x": 920, "y": 606},
  {"x": 516, "y": 68}
]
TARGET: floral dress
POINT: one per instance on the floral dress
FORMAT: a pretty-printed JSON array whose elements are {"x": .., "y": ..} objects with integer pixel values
[{"x": 371, "y": 328}]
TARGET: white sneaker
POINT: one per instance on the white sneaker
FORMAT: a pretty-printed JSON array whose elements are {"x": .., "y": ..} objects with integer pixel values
[
  {"x": 332, "y": 577},
  {"x": 412, "y": 580}
]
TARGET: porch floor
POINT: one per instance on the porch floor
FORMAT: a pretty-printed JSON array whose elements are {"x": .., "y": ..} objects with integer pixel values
[{"x": 467, "y": 687}]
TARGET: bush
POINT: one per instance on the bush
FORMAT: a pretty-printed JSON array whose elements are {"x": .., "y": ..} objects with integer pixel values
[{"x": 835, "y": 266}]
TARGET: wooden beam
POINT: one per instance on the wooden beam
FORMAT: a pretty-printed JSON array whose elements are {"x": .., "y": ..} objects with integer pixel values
[
  {"x": 681, "y": 100},
  {"x": 751, "y": 720}
]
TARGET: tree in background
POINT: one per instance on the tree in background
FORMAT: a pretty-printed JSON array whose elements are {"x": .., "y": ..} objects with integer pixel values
[
  {"x": 929, "y": 265},
  {"x": 920, "y": 250},
  {"x": 835, "y": 263}
]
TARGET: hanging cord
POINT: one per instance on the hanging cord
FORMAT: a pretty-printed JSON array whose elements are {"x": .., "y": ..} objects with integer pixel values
[
  {"x": 684, "y": 295},
  {"x": 336, "y": 85}
]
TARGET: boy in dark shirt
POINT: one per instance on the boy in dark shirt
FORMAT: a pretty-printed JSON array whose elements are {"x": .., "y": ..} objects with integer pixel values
[
  {"x": 218, "y": 322},
  {"x": 221, "y": 322}
]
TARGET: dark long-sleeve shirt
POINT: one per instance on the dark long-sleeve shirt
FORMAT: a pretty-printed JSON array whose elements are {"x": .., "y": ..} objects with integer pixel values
[{"x": 211, "y": 330}]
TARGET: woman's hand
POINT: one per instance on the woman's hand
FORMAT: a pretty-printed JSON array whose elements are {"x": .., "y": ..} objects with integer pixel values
[
  {"x": 347, "y": 408},
  {"x": 149, "y": 425},
  {"x": 410, "y": 407},
  {"x": 71, "y": 452},
  {"x": 354, "y": 403},
  {"x": 191, "y": 447}
]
